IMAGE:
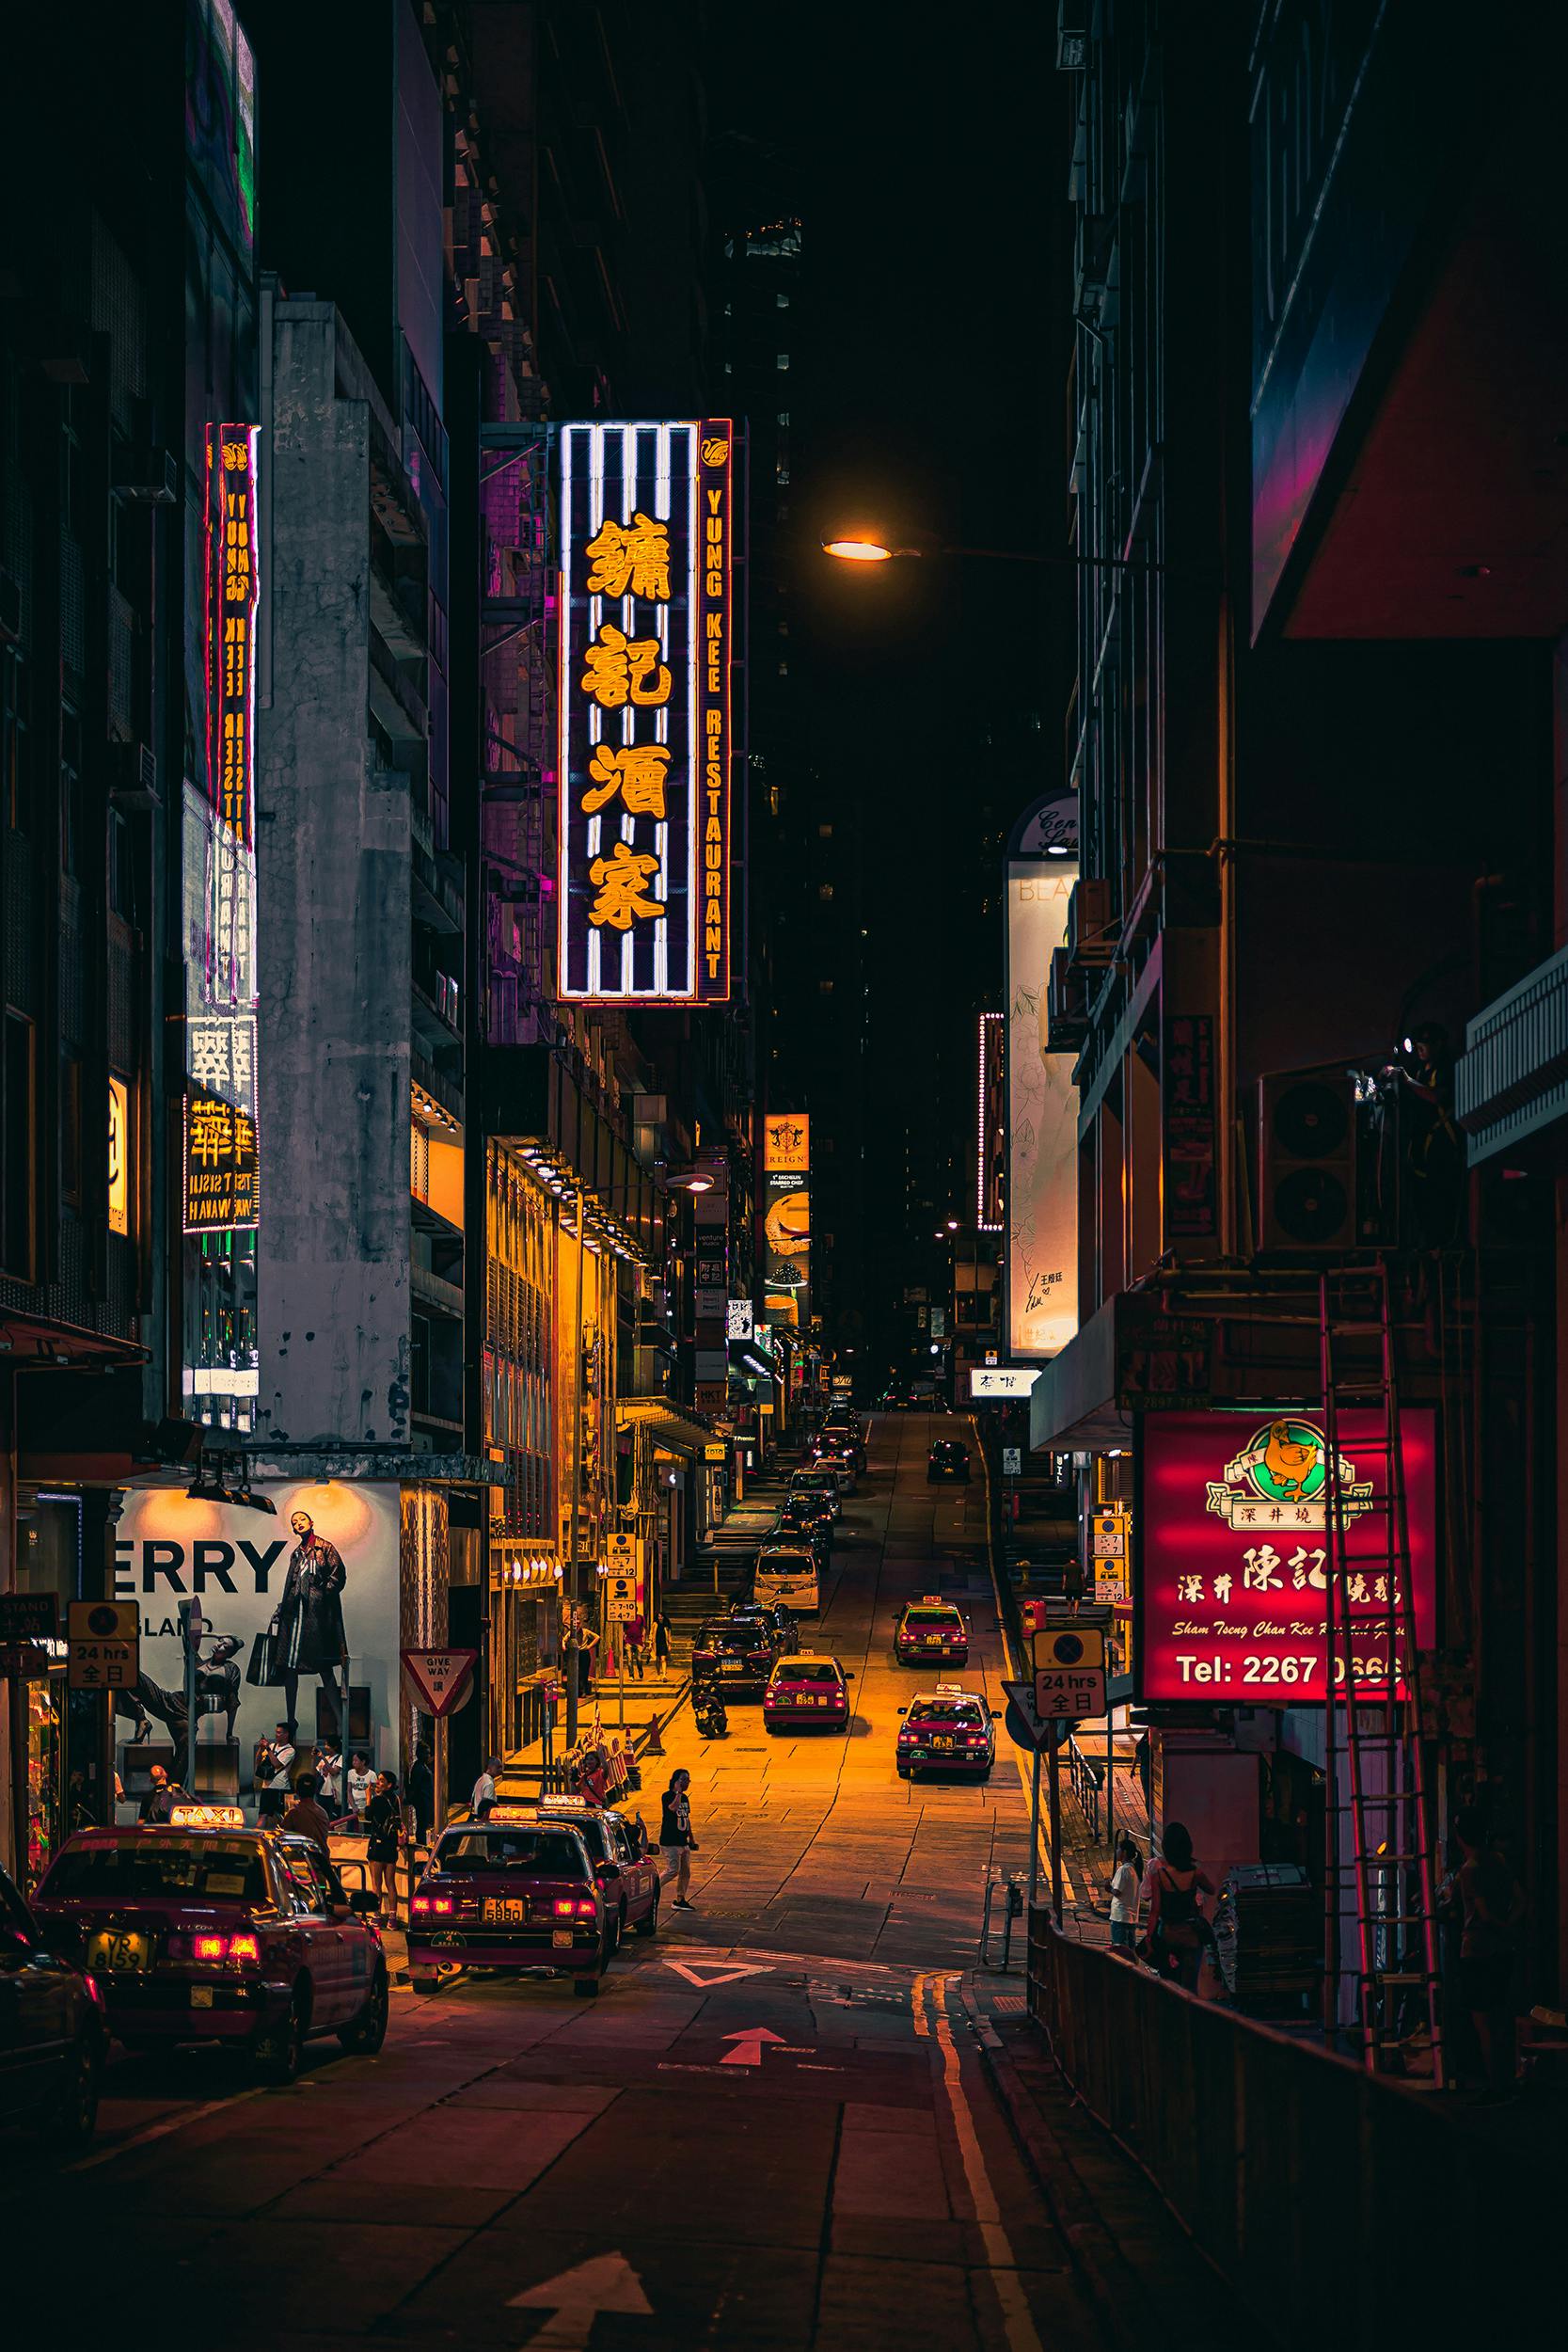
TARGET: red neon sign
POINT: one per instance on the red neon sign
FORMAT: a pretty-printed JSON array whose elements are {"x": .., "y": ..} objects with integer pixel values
[{"x": 1234, "y": 1554}]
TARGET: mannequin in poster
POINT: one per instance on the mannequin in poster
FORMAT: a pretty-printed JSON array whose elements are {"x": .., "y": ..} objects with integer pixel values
[{"x": 311, "y": 1639}]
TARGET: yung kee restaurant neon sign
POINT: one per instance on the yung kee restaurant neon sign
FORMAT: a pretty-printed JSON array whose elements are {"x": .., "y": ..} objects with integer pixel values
[{"x": 644, "y": 836}]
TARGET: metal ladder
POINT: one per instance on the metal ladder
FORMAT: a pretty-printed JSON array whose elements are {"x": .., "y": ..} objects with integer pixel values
[{"x": 1370, "y": 1624}]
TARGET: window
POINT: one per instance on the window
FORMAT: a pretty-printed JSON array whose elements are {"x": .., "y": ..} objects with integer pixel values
[
  {"x": 783, "y": 358},
  {"x": 824, "y": 832},
  {"x": 13, "y": 740},
  {"x": 782, "y": 301},
  {"x": 824, "y": 988},
  {"x": 72, "y": 804},
  {"x": 824, "y": 890},
  {"x": 17, "y": 1103},
  {"x": 783, "y": 416}
]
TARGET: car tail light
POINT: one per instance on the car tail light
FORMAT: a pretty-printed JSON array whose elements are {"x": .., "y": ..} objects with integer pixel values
[
  {"x": 93, "y": 1990},
  {"x": 216, "y": 1947},
  {"x": 975, "y": 1740},
  {"x": 908, "y": 1739}
]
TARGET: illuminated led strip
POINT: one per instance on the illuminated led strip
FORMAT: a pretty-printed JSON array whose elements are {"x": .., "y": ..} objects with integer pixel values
[{"x": 982, "y": 1223}]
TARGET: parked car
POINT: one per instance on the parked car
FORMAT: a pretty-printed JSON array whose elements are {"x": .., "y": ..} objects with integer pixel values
[
  {"x": 513, "y": 1892},
  {"x": 52, "y": 2034},
  {"x": 201, "y": 1929},
  {"x": 947, "y": 1459},
  {"x": 738, "y": 1653}
]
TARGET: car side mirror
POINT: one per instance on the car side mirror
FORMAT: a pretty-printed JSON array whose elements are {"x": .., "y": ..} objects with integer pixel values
[
  {"x": 995, "y": 1714},
  {"x": 849, "y": 1676},
  {"x": 904, "y": 1710},
  {"x": 362, "y": 1900}
]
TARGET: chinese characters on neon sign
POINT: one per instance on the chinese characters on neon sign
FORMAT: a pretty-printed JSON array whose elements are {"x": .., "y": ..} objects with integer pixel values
[
  {"x": 219, "y": 1140},
  {"x": 644, "y": 880}
]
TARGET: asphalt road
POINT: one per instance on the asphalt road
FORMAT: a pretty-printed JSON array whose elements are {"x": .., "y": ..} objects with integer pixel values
[{"x": 773, "y": 2127}]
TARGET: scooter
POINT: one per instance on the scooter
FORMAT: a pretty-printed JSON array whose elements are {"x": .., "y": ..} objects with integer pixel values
[{"x": 708, "y": 1711}]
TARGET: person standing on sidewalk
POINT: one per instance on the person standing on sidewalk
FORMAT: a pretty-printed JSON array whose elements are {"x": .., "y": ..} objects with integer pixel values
[
  {"x": 383, "y": 1820},
  {"x": 422, "y": 1793},
  {"x": 661, "y": 1641},
  {"x": 485, "y": 1787},
  {"x": 1126, "y": 1884},
  {"x": 676, "y": 1843},
  {"x": 631, "y": 1640},
  {"x": 1178, "y": 1932}
]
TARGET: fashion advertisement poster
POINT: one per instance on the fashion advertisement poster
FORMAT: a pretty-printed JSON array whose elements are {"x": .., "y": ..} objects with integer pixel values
[{"x": 296, "y": 1609}]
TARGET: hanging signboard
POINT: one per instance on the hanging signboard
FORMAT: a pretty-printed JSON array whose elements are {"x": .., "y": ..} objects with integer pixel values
[
  {"x": 647, "y": 525},
  {"x": 1233, "y": 1554}
]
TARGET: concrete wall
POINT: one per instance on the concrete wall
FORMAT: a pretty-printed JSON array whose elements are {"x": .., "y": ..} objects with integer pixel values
[{"x": 334, "y": 865}]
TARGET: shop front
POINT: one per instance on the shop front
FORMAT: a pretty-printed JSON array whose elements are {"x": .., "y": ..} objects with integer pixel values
[
  {"x": 674, "y": 1502},
  {"x": 525, "y": 1643}
]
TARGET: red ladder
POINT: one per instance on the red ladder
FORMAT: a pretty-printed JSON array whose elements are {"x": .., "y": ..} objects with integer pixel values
[{"x": 1373, "y": 1765}]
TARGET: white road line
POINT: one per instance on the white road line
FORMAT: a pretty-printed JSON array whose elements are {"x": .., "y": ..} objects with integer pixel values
[
  {"x": 162, "y": 2131},
  {"x": 1001, "y": 2262}
]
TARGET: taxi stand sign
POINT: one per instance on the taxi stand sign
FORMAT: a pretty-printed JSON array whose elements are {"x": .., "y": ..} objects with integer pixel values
[
  {"x": 102, "y": 1645},
  {"x": 1069, "y": 1673}
]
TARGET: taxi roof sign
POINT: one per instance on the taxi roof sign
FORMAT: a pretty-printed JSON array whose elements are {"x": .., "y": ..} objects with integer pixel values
[
  {"x": 206, "y": 1817},
  {"x": 507, "y": 1813}
]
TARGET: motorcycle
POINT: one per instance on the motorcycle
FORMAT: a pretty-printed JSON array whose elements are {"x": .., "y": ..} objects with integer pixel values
[{"x": 708, "y": 1711}]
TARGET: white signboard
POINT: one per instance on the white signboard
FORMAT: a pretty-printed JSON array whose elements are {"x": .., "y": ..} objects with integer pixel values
[
  {"x": 1042, "y": 1120},
  {"x": 1002, "y": 1379}
]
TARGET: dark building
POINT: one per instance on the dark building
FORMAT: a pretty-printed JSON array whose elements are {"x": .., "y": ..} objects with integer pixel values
[{"x": 1299, "y": 645}]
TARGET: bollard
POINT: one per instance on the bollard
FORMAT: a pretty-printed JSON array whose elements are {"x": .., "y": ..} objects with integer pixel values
[{"x": 1014, "y": 1910}]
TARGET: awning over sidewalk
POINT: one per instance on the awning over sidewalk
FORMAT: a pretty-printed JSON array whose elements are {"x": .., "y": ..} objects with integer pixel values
[
  {"x": 1074, "y": 1403},
  {"x": 669, "y": 1426}
]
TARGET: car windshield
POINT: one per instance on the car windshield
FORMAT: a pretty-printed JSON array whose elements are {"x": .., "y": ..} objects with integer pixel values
[
  {"x": 946, "y": 1451},
  {"x": 541, "y": 1853},
  {"x": 788, "y": 1561},
  {"x": 947, "y": 1712},
  {"x": 741, "y": 1636},
  {"x": 931, "y": 1617},
  {"x": 808, "y": 1669},
  {"x": 189, "y": 1869}
]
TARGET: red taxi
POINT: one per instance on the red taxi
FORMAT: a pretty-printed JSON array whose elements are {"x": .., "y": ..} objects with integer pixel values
[
  {"x": 807, "y": 1694},
  {"x": 199, "y": 1928},
  {"x": 628, "y": 1873},
  {"x": 947, "y": 1730},
  {"x": 517, "y": 1892},
  {"x": 931, "y": 1630}
]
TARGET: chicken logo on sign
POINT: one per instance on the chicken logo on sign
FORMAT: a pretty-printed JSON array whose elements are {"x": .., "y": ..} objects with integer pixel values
[{"x": 1280, "y": 1479}]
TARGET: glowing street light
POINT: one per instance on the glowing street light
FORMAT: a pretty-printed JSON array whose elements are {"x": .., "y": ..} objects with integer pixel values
[{"x": 864, "y": 550}]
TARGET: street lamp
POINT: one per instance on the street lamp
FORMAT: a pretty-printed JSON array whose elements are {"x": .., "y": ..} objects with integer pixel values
[{"x": 863, "y": 547}]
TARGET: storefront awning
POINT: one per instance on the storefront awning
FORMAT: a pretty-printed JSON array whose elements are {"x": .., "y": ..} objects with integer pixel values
[{"x": 668, "y": 1424}]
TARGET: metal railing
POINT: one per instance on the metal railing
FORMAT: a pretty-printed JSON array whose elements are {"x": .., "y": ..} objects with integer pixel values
[
  {"x": 1088, "y": 1778},
  {"x": 1305, "y": 2180}
]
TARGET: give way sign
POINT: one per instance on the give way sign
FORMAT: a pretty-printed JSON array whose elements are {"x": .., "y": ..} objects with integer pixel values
[{"x": 440, "y": 1676}]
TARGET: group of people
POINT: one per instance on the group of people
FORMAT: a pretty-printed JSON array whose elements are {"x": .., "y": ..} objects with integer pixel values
[
  {"x": 637, "y": 1641},
  {"x": 1481, "y": 1912}
]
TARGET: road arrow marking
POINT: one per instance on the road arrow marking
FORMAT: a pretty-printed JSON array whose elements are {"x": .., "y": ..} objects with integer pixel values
[
  {"x": 719, "y": 1972},
  {"x": 574, "y": 2297},
  {"x": 749, "y": 2046}
]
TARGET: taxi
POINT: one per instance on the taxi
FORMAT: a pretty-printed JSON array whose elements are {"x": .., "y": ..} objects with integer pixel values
[
  {"x": 933, "y": 1630},
  {"x": 203, "y": 1929},
  {"x": 516, "y": 1891},
  {"x": 806, "y": 1518},
  {"x": 817, "y": 1485},
  {"x": 948, "y": 1729},
  {"x": 807, "y": 1694},
  {"x": 628, "y": 1873}
]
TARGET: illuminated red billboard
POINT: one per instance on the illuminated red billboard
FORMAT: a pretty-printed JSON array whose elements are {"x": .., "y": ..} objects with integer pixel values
[{"x": 1233, "y": 1554}]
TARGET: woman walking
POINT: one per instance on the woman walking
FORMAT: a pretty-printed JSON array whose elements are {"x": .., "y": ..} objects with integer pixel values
[
  {"x": 1126, "y": 1884},
  {"x": 384, "y": 1822},
  {"x": 1179, "y": 1933},
  {"x": 676, "y": 1838}
]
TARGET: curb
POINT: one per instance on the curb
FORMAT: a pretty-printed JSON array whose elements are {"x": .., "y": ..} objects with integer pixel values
[{"x": 1113, "y": 2288}]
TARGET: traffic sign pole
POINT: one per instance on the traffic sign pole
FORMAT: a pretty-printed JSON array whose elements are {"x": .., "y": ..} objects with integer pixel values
[
  {"x": 1035, "y": 1832},
  {"x": 1055, "y": 1830}
]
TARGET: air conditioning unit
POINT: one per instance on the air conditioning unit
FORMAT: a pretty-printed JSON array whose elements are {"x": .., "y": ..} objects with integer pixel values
[
  {"x": 132, "y": 776},
  {"x": 1067, "y": 1004},
  {"x": 1091, "y": 932},
  {"x": 144, "y": 473},
  {"x": 1307, "y": 1163}
]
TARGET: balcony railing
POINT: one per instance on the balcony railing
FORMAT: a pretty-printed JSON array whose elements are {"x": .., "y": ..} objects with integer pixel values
[{"x": 1512, "y": 1080}]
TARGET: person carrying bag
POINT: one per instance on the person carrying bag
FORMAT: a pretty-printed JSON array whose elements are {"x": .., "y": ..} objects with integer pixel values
[{"x": 1178, "y": 1934}]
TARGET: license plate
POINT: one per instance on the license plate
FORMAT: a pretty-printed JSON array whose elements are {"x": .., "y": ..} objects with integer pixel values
[
  {"x": 561, "y": 1939},
  {"x": 202, "y": 1997},
  {"x": 116, "y": 1952},
  {"x": 933, "y": 1641},
  {"x": 512, "y": 1908},
  {"x": 941, "y": 1740},
  {"x": 734, "y": 1666}
]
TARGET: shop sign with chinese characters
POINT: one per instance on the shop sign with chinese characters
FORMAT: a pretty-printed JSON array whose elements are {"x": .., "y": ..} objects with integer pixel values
[
  {"x": 1233, "y": 1554},
  {"x": 221, "y": 1168},
  {"x": 647, "y": 521}
]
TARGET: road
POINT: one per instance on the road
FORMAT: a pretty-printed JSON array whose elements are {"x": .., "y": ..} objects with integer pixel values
[{"x": 773, "y": 2128}]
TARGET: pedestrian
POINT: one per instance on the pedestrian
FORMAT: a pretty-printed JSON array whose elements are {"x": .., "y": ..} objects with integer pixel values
[
  {"x": 158, "y": 1802},
  {"x": 676, "y": 1843},
  {"x": 631, "y": 1642},
  {"x": 1177, "y": 1932},
  {"x": 421, "y": 1792},
  {"x": 1073, "y": 1584},
  {"x": 327, "y": 1765},
  {"x": 269, "y": 1772},
  {"x": 384, "y": 1820},
  {"x": 1494, "y": 1907},
  {"x": 661, "y": 1641},
  {"x": 361, "y": 1780},
  {"x": 305, "y": 1818},
  {"x": 1126, "y": 1889},
  {"x": 587, "y": 1643},
  {"x": 485, "y": 1787}
]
